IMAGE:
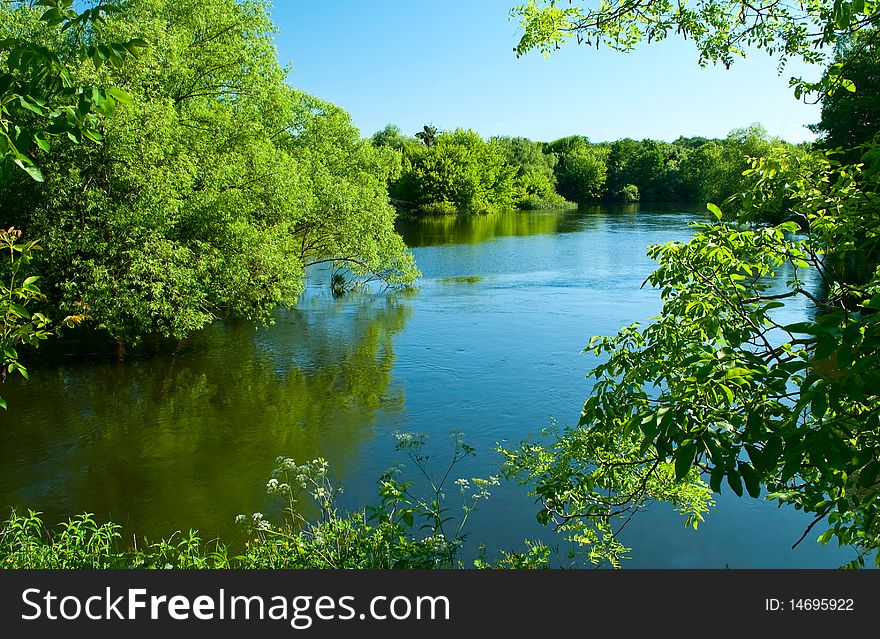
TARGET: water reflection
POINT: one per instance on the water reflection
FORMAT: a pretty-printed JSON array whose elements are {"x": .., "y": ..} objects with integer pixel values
[
  {"x": 490, "y": 343},
  {"x": 475, "y": 229},
  {"x": 187, "y": 439}
]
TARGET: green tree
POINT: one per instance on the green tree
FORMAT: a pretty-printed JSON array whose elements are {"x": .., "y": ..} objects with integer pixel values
[
  {"x": 535, "y": 178},
  {"x": 653, "y": 167},
  {"x": 849, "y": 120},
  {"x": 40, "y": 97},
  {"x": 428, "y": 135},
  {"x": 391, "y": 137},
  {"x": 721, "y": 30},
  {"x": 213, "y": 190},
  {"x": 581, "y": 174},
  {"x": 718, "y": 387},
  {"x": 458, "y": 172},
  {"x": 621, "y": 155},
  {"x": 713, "y": 172}
]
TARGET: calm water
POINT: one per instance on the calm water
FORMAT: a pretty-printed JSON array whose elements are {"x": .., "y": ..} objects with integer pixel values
[{"x": 489, "y": 344}]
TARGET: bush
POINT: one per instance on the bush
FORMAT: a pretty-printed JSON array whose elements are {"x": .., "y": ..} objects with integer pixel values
[
  {"x": 629, "y": 193},
  {"x": 534, "y": 203}
]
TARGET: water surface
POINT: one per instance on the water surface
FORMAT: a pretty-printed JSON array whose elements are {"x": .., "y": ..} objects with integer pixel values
[{"x": 489, "y": 343}]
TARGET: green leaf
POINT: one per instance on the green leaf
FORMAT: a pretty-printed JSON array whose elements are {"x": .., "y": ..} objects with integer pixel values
[
  {"x": 30, "y": 169},
  {"x": 684, "y": 459},
  {"x": 3, "y": 404},
  {"x": 42, "y": 142},
  {"x": 19, "y": 310},
  {"x": 714, "y": 210},
  {"x": 738, "y": 372},
  {"x": 808, "y": 328},
  {"x": 771, "y": 454},
  {"x": 715, "y": 478},
  {"x": 92, "y": 135},
  {"x": 52, "y": 17},
  {"x": 868, "y": 474},
  {"x": 752, "y": 479},
  {"x": 735, "y": 482},
  {"x": 26, "y": 103},
  {"x": 755, "y": 455},
  {"x": 119, "y": 95},
  {"x": 728, "y": 393},
  {"x": 34, "y": 172},
  {"x": 819, "y": 405}
]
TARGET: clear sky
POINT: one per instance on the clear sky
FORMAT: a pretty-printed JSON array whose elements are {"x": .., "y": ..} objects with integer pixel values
[{"x": 451, "y": 63}]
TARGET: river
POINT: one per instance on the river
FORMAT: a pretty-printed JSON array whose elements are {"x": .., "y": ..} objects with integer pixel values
[{"x": 488, "y": 343}]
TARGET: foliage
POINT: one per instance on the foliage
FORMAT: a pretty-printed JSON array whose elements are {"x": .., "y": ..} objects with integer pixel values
[
  {"x": 21, "y": 326},
  {"x": 443, "y": 180},
  {"x": 713, "y": 172},
  {"x": 391, "y": 137},
  {"x": 213, "y": 190},
  {"x": 79, "y": 543},
  {"x": 719, "y": 385},
  {"x": 379, "y": 537},
  {"x": 534, "y": 180},
  {"x": 40, "y": 98},
  {"x": 535, "y": 203},
  {"x": 591, "y": 481},
  {"x": 629, "y": 193},
  {"x": 428, "y": 135},
  {"x": 850, "y": 120},
  {"x": 581, "y": 174},
  {"x": 687, "y": 170},
  {"x": 721, "y": 30},
  {"x": 457, "y": 170}
]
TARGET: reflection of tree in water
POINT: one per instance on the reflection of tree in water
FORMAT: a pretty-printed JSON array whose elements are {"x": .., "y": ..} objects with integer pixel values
[
  {"x": 474, "y": 229},
  {"x": 188, "y": 439}
]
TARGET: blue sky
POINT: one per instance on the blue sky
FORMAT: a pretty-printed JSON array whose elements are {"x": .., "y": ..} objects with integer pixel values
[{"x": 451, "y": 63}]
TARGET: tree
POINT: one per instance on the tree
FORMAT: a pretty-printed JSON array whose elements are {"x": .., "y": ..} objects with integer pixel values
[
  {"x": 458, "y": 172},
  {"x": 40, "y": 99},
  {"x": 581, "y": 175},
  {"x": 719, "y": 387},
  {"x": 850, "y": 120},
  {"x": 391, "y": 137},
  {"x": 39, "y": 96},
  {"x": 721, "y": 30},
  {"x": 428, "y": 135},
  {"x": 214, "y": 189},
  {"x": 713, "y": 172}
]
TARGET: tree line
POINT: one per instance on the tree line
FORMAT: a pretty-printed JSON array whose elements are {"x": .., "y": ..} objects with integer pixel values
[{"x": 459, "y": 171}]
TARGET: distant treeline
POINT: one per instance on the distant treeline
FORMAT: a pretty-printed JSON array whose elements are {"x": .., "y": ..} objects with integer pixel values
[{"x": 458, "y": 171}]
